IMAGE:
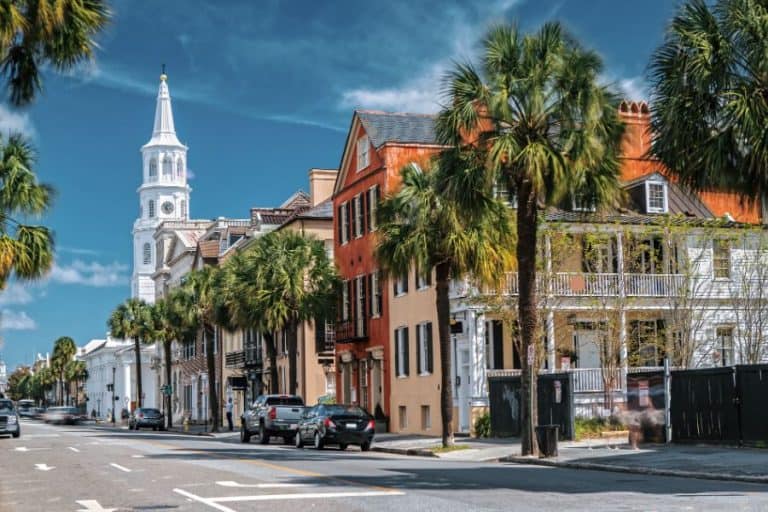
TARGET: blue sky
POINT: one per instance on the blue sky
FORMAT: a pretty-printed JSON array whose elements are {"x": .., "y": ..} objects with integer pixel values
[{"x": 262, "y": 91}]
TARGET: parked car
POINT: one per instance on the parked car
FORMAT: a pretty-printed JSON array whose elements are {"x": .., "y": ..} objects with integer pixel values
[
  {"x": 9, "y": 419},
  {"x": 271, "y": 416},
  {"x": 26, "y": 408},
  {"x": 339, "y": 425},
  {"x": 146, "y": 417},
  {"x": 62, "y": 415}
]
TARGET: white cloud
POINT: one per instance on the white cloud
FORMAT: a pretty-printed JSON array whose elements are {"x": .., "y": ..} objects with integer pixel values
[
  {"x": 16, "y": 321},
  {"x": 78, "y": 250},
  {"x": 15, "y": 293},
  {"x": 12, "y": 121},
  {"x": 90, "y": 273},
  {"x": 633, "y": 88}
]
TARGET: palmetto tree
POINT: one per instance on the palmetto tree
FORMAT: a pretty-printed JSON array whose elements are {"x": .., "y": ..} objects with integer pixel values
[
  {"x": 710, "y": 107},
  {"x": 75, "y": 373},
  {"x": 421, "y": 226},
  {"x": 132, "y": 320},
  {"x": 38, "y": 32},
  {"x": 26, "y": 251},
  {"x": 64, "y": 350},
  {"x": 550, "y": 130}
]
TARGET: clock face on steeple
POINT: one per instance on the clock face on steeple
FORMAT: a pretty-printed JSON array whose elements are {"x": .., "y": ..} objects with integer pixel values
[{"x": 167, "y": 207}]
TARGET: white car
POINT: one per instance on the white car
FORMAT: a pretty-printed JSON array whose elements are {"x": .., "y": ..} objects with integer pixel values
[{"x": 9, "y": 419}]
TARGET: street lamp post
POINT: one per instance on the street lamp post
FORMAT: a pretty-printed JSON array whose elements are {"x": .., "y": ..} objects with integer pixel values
[{"x": 113, "y": 394}]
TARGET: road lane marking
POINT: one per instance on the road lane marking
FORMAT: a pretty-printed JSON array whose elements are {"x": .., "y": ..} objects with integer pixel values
[
  {"x": 25, "y": 449},
  {"x": 305, "y": 496},
  {"x": 118, "y": 466},
  {"x": 137, "y": 456},
  {"x": 202, "y": 500},
  {"x": 74, "y": 449},
  {"x": 33, "y": 436},
  {"x": 44, "y": 467},
  {"x": 229, "y": 483},
  {"x": 92, "y": 506}
]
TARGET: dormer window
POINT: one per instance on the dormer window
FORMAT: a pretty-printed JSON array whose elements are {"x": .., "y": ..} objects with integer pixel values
[
  {"x": 656, "y": 196},
  {"x": 582, "y": 203},
  {"x": 362, "y": 153}
]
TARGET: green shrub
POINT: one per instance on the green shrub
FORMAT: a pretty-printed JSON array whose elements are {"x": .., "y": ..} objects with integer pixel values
[
  {"x": 483, "y": 425},
  {"x": 592, "y": 427}
]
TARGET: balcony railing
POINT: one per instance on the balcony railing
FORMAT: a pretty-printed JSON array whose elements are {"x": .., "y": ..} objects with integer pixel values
[
  {"x": 352, "y": 330},
  {"x": 234, "y": 359},
  {"x": 253, "y": 356},
  {"x": 585, "y": 380}
]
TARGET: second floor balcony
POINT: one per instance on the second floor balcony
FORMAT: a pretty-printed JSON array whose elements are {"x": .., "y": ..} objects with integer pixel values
[{"x": 350, "y": 331}]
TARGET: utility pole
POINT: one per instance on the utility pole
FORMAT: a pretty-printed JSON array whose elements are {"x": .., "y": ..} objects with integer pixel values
[{"x": 113, "y": 395}]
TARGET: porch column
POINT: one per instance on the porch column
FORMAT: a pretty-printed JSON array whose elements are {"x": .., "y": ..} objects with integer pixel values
[
  {"x": 623, "y": 342},
  {"x": 621, "y": 308},
  {"x": 551, "y": 340},
  {"x": 477, "y": 343}
]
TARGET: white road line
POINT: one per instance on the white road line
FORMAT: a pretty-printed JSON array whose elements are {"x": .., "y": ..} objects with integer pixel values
[
  {"x": 229, "y": 483},
  {"x": 137, "y": 456},
  {"x": 204, "y": 501},
  {"x": 92, "y": 506},
  {"x": 118, "y": 466},
  {"x": 74, "y": 449},
  {"x": 33, "y": 436},
  {"x": 305, "y": 496},
  {"x": 44, "y": 467}
]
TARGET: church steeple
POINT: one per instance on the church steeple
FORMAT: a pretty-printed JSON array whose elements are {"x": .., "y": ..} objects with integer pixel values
[{"x": 164, "y": 131}]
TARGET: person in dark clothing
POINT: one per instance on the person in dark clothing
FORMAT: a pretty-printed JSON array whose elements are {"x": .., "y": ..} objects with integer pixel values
[{"x": 229, "y": 414}]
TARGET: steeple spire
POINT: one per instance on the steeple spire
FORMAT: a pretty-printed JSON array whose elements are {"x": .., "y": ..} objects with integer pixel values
[{"x": 164, "y": 132}]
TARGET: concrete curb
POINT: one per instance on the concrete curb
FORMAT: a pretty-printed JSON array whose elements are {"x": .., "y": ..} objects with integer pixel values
[
  {"x": 635, "y": 470},
  {"x": 416, "y": 452}
]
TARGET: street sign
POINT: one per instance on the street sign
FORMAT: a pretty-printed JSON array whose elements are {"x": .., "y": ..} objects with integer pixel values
[
  {"x": 531, "y": 354},
  {"x": 167, "y": 390}
]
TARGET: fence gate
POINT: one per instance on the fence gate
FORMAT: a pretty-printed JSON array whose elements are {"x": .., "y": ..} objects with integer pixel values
[
  {"x": 704, "y": 405},
  {"x": 752, "y": 388},
  {"x": 504, "y": 400}
]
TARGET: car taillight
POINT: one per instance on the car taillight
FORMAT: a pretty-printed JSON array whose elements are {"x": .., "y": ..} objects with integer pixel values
[
  {"x": 371, "y": 425},
  {"x": 328, "y": 423},
  {"x": 141, "y": 416},
  {"x": 272, "y": 413}
]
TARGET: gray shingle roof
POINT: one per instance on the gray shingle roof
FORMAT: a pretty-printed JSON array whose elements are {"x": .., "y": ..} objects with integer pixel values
[
  {"x": 323, "y": 210},
  {"x": 398, "y": 127}
]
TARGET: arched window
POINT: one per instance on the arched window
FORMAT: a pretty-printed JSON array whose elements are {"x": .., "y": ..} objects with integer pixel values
[
  {"x": 151, "y": 208},
  {"x": 180, "y": 168},
  {"x": 147, "y": 251},
  {"x": 183, "y": 208},
  {"x": 167, "y": 166},
  {"x": 153, "y": 168}
]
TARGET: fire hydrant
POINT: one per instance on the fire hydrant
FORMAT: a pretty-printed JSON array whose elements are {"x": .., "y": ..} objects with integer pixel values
[{"x": 185, "y": 423}]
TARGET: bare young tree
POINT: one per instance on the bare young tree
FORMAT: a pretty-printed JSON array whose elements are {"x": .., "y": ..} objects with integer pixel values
[{"x": 749, "y": 294}]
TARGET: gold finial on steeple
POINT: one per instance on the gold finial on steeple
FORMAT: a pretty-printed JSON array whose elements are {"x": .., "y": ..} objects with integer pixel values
[{"x": 163, "y": 76}]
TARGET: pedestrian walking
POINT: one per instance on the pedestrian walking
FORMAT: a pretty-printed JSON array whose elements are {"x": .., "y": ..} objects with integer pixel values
[{"x": 229, "y": 414}]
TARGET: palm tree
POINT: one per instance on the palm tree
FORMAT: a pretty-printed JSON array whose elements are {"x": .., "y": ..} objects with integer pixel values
[
  {"x": 64, "y": 350},
  {"x": 419, "y": 226},
  {"x": 26, "y": 251},
  {"x": 131, "y": 320},
  {"x": 550, "y": 130},
  {"x": 45, "y": 32},
  {"x": 75, "y": 373},
  {"x": 708, "y": 116},
  {"x": 43, "y": 380}
]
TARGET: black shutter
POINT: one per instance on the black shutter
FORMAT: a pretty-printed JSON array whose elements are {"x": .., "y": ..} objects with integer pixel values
[
  {"x": 429, "y": 276},
  {"x": 365, "y": 206},
  {"x": 365, "y": 293},
  {"x": 339, "y": 222},
  {"x": 407, "y": 352},
  {"x": 347, "y": 224},
  {"x": 394, "y": 285},
  {"x": 353, "y": 303},
  {"x": 498, "y": 345},
  {"x": 430, "y": 349},
  {"x": 397, "y": 356},
  {"x": 379, "y": 293},
  {"x": 418, "y": 350},
  {"x": 369, "y": 211},
  {"x": 353, "y": 218},
  {"x": 405, "y": 281},
  {"x": 319, "y": 335},
  {"x": 371, "y": 293}
]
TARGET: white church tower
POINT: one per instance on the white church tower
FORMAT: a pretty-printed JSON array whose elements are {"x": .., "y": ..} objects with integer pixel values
[{"x": 163, "y": 194}]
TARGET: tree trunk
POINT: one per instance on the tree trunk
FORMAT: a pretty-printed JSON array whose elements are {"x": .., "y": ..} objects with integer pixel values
[
  {"x": 167, "y": 398},
  {"x": 137, "y": 347},
  {"x": 269, "y": 340},
  {"x": 210, "y": 359},
  {"x": 527, "y": 219},
  {"x": 293, "y": 362},
  {"x": 442, "y": 277}
]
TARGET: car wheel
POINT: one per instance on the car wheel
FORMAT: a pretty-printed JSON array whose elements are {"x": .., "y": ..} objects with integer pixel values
[
  {"x": 297, "y": 442},
  {"x": 154, "y": 429},
  {"x": 288, "y": 440},
  {"x": 342, "y": 446},
  {"x": 365, "y": 446},
  {"x": 16, "y": 434},
  {"x": 319, "y": 445},
  {"x": 263, "y": 436},
  {"x": 245, "y": 436}
]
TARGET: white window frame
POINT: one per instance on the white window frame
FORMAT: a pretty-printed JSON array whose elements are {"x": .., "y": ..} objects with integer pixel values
[
  {"x": 375, "y": 294},
  {"x": 357, "y": 210},
  {"x": 723, "y": 332},
  {"x": 577, "y": 205},
  {"x": 152, "y": 168},
  {"x": 372, "y": 205},
  {"x": 151, "y": 209},
  {"x": 167, "y": 166},
  {"x": 401, "y": 356},
  {"x": 656, "y": 183},
  {"x": 727, "y": 257},
  {"x": 179, "y": 168},
  {"x": 360, "y": 305},
  {"x": 400, "y": 285},
  {"x": 344, "y": 221},
  {"x": 147, "y": 253},
  {"x": 363, "y": 153},
  {"x": 421, "y": 344},
  {"x": 422, "y": 281}
]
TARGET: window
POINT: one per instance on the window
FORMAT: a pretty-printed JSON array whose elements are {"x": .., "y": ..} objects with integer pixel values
[
  {"x": 152, "y": 168},
  {"x": 345, "y": 305},
  {"x": 147, "y": 252},
  {"x": 401, "y": 285},
  {"x": 360, "y": 309},
  {"x": 402, "y": 362},
  {"x": 362, "y": 153},
  {"x": 402, "y": 416},
  {"x": 582, "y": 203},
  {"x": 167, "y": 166},
  {"x": 423, "y": 279},
  {"x": 183, "y": 208},
  {"x": 376, "y": 295},
  {"x": 357, "y": 213},
  {"x": 363, "y": 374},
  {"x": 426, "y": 418},
  {"x": 151, "y": 208},
  {"x": 656, "y": 196},
  {"x": 373, "y": 202},
  {"x": 647, "y": 339},
  {"x": 180, "y": 168},
  {"x": 494, "y": 345},
  {"x": 424, "y": 350},
  {"x": 505, "y": 194},
  {"x": 721, "y": 259},
  {"x": 724, "y": 340},
  {"x": 344, "y": 223}
]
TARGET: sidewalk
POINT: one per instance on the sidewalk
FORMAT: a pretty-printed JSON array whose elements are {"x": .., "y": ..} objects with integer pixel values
[
  {"x": 193, "y": 430},
  {"x": 477, "y": 450}
]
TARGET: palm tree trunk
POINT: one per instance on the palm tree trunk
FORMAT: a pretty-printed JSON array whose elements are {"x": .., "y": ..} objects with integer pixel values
[
  {"x": 442, "y": 276},
  {"x": 269, "y": 340},
  {"x": 293, "y": 342},
  {"x": 137, "y": 347},
  {"x": 167, "y": 397},
  {"x": 210, "y": 359},
  {"x": 527, "y": 219}
]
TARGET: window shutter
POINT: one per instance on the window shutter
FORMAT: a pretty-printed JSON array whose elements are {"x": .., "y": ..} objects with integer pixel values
[
  {"x": 371, "y": 294},
  {"x": 430, "y": 349},
  {"x": 366, "y": 301},
  {"x": 498, "y": 345},
  {"x": 429, "y": 276},
  {"x": 405, "y": 282},
  {"x": 347, "y": 222},
  {"x": 419, "y": 341},
  {"x": 407, "y": 353},
  {"x": 319, "y": 335},
  {"x": 353, "y": 303},
  {"x": 397, "y": 354},
  {"x": 364, "y": 203},
  {"x": 339, "y": 223},
  {"x": 394, "y": 284},
  {"x": 379, "y": 293}
]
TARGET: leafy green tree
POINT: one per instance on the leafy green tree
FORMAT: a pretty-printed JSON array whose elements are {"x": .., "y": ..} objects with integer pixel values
[
  {"x": 35, "y": 33},
  {"x": 64, "y": 350},
  {"x": 132, "y": 320},
  {"x": 550, "y": 132},
  {"x": 420, "y": 227},
  {"x": 19, "y": 383},
  {"x": 75, "y": 373},
  {"x": 710, "y": 108}
]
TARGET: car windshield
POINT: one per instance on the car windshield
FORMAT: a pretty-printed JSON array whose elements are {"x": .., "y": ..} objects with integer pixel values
[
  {"x": 6, "y": 406},
  {"x": 284, "y": 400},
  {"x": 149, "y": 411},
  {"x": 345, "y": 410}
]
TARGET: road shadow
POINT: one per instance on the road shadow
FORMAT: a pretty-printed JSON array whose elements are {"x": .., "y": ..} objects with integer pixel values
[{"x": 274, "y": 454}]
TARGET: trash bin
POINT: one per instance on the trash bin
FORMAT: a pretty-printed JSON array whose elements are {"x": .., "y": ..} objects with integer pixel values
[{"x": 547, "y": 436}]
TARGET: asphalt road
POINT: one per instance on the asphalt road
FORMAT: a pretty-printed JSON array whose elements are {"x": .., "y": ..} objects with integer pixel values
[{"x": 58, "y": 468}]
